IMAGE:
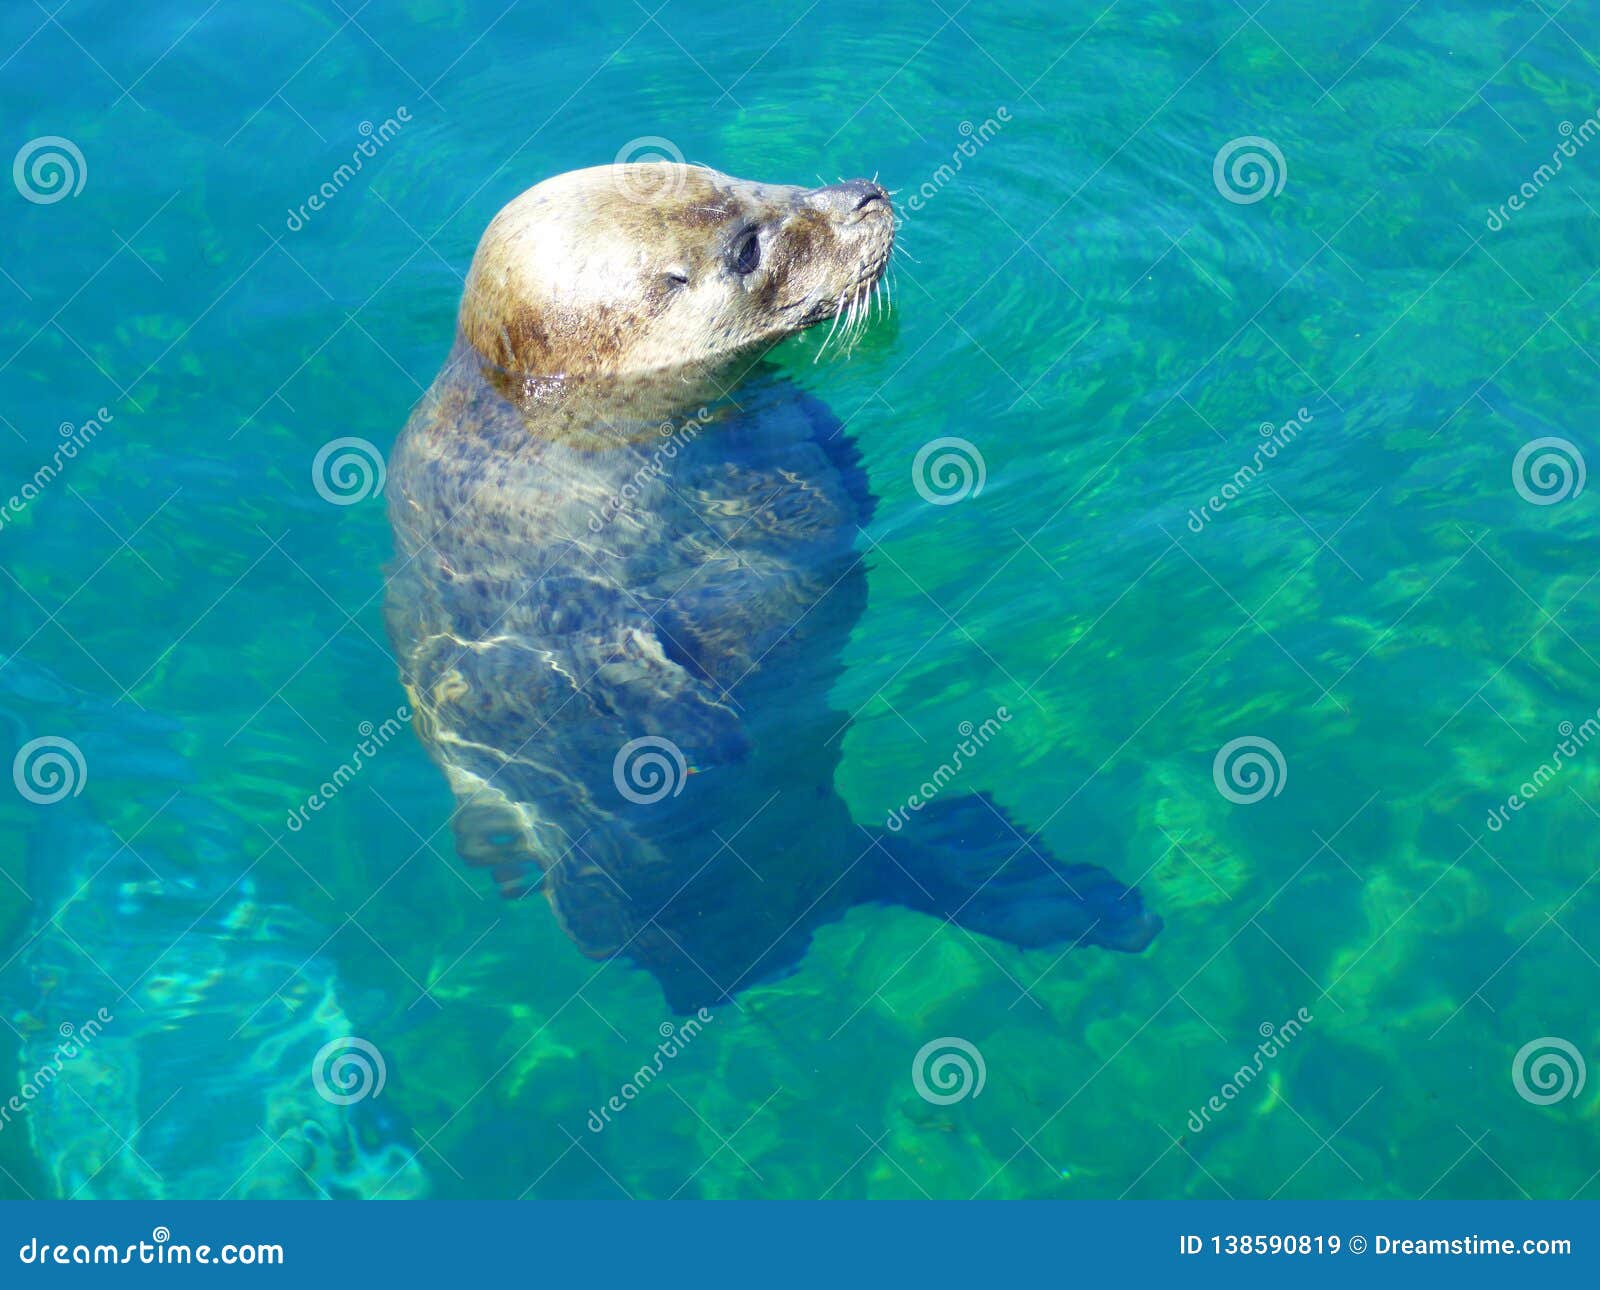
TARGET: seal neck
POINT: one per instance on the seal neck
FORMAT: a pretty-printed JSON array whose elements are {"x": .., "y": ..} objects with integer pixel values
[{"x": 617, "y": 407}]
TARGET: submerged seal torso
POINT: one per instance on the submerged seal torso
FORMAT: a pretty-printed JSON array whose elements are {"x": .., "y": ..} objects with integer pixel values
[{"x": 564, "y": 589}]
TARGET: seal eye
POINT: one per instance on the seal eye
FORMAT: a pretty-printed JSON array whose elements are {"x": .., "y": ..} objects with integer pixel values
[
  {"x": 677, "y": 277},
  {"x": 748, "y": 256}
]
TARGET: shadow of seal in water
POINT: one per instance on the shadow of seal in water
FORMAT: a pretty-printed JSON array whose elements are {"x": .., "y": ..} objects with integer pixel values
[{"x": 626, "y": 568}]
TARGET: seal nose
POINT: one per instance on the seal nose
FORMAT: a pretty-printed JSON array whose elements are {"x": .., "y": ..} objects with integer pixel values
[{"x": 846, "y": 198}]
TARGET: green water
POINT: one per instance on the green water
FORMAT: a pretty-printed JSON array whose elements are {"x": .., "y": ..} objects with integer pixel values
[{"x": 1079, "y": 300}]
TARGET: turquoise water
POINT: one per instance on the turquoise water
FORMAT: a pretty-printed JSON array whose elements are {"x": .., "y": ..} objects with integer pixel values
[{"x": 1109, "y": 325}]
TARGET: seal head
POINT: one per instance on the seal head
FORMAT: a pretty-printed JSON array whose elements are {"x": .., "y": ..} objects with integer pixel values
[{"x": 643, "y": 267}]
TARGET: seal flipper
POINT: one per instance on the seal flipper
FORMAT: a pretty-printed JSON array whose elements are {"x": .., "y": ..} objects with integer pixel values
[{"x": 964, "y": 861}]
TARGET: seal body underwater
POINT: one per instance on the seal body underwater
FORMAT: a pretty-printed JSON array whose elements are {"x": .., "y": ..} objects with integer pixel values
[{"x": 626, "y": 567}]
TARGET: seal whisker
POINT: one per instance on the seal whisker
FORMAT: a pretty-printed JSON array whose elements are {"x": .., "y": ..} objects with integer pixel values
[
  {"x": 847, "y": 322},
  {"x": 832, "y": 327},
  {"x": 853, "y": 323},
  {"x": 862, "y": 314}
]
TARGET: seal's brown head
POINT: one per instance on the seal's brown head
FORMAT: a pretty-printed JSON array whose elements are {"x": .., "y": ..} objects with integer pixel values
[{"x": 638, "y": 267}]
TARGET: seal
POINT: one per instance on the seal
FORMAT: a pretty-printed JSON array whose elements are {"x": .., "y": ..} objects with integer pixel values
[{"x": 626, "y": 567}]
